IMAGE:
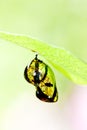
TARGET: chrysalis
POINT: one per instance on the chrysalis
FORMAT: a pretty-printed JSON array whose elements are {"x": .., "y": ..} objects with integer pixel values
[{"x": 42, "y": 77}]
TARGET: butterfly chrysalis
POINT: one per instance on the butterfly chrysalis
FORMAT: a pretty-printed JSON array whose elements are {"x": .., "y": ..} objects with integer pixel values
[{"x": 42, "y": 77}]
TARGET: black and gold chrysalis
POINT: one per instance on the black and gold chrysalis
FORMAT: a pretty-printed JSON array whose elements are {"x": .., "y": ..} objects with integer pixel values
[{"x": 42, "y": 77}]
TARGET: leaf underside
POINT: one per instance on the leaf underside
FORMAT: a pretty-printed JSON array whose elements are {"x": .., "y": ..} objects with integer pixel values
[{"x": 69, "y": 65}]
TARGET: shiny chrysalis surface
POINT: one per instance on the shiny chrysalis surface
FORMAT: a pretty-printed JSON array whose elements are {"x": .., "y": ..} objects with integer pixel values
[{"x": 42, "y": 77}]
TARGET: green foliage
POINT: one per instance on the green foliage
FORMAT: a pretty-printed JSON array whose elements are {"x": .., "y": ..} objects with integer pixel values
[{"x": 69, "y": 65}]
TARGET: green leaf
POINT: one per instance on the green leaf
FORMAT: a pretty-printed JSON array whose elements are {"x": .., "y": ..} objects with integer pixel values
[{"x": 69, "y": 65}]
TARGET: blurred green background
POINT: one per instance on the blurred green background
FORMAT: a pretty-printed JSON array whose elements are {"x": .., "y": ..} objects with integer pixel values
[{"x": 59, "y": 22}]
